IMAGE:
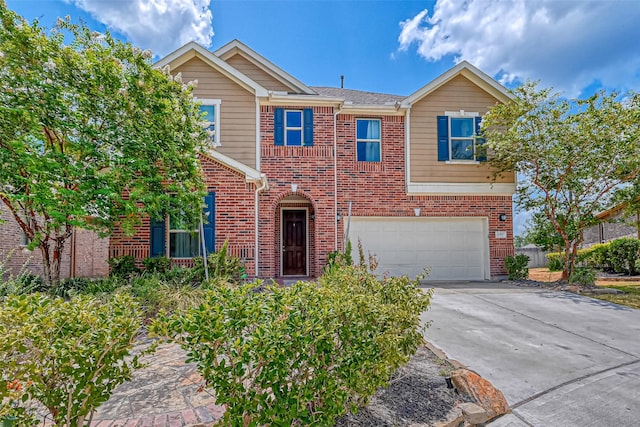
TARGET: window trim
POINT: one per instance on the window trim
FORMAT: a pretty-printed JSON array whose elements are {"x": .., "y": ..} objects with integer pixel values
[
  {"x": 379, "y": 140},
  {"x": 216, "y": 112},
  {"x": 464, "y": 115},
  {"x": 287, "y": 127}
]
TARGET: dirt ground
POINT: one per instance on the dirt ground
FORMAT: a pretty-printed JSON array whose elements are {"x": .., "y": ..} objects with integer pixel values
[{"x": 417, "y": 394}]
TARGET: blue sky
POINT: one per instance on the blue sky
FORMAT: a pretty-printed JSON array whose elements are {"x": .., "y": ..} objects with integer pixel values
[{"x": 389, "y": 46}]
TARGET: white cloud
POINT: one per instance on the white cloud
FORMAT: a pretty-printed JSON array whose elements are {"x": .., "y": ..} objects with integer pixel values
[
  {"x": 159, "y": 25},
  {"x": 566, "y": 44}
]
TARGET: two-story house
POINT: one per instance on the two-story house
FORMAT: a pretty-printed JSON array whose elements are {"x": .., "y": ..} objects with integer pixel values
[{"x": 293, "y": 168}]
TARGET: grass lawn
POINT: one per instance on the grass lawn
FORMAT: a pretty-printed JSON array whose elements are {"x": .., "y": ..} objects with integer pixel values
[{"x": 631, "y": 297}]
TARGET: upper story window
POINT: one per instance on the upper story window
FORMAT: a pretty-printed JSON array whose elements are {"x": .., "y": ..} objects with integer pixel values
[
  {"x": 458, "y": 139},
  {"x": 210, "y": 110},
  {"x": 293, "y": 127},
  {"x": 368, "y": 140}
]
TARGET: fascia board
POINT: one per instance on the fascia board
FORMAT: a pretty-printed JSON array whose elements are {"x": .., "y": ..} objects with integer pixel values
[
  {"x": 228, "y": 50},
  {"x": 191, "y": 49},
  {"x": 250, "y": 173},
  {"x": 469, "y": 71},
  {"x": 277, "y": 99}
]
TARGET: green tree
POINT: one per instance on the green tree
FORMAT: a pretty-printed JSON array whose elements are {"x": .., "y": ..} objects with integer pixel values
[
  {"x": 570, "y": 155},
  {"x": 541, "y": 232},
  {"x": 90, "y": 135}
]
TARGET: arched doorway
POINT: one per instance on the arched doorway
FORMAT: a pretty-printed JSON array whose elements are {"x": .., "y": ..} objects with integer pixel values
[{"x": 295, "y": 236}]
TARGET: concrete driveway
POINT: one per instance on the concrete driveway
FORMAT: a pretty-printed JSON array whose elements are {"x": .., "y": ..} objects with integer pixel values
[{"x": 560, "y": 359}]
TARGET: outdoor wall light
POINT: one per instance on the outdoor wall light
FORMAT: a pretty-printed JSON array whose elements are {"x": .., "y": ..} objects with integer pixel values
[
  {"x": 416, "y": 211},
  {"x": 339, "y": 216},
  {"x": 313, "y": 217},
  {"x": 294, "y": 187},
  {"x": 502, "y": 217}
]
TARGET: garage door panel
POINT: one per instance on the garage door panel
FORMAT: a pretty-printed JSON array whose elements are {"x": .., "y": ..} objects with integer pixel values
[{"x": 454, "y": 248}]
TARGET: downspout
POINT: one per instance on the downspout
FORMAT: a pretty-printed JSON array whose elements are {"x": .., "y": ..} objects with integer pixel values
[
  {"x": 256, "y": 200},
  {"x": 335, "y": 176},
  {"x": 72, "y": 261},
  {"x": 407, "y": 148},
  {"x": 256, "y": 217}
]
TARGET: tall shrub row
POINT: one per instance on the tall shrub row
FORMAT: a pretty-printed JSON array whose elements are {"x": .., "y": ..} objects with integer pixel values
[
  {"x": 618, "y": 256},
  {"x": 305, "y": 354}
]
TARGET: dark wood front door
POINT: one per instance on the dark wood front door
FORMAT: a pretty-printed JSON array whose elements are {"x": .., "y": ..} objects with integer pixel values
[{"x": 294, "y": 242}]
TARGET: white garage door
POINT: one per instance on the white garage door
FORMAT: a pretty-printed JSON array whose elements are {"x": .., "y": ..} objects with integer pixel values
[{"x": 454, "y": 248}]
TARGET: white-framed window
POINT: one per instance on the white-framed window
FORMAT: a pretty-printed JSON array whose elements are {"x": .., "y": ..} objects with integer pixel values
[
  {"x": 293, "y": 127},
  {"x": 210, "y": 109},
  {"x": 458, "y": 139},
  {"x": 368, "y": 140}
]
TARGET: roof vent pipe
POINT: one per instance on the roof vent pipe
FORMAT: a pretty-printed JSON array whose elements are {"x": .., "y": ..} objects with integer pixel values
[{"x": 342, "y": 82}]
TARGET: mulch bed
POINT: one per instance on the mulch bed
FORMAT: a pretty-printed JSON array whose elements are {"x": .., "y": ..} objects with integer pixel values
[{"x": 417, "y": 394}]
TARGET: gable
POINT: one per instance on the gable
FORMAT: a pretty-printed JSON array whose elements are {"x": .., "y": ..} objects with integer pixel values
[
  {"x": 458, "y": 93},
  {"x": 237, "y": 125},
  {"x": 255, "y": 73}
]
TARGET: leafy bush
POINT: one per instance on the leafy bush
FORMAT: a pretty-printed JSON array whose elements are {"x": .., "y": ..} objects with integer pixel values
[
  {"x": 67, "y": 288},
  {"x": 583, "y": 276},
  {"x": 517, "y": 266},
  {"x": 221, "y": 265},
  {"x": 337, "y": 259},
  {"x": 68, "y": 355},
  {"x": 554, "y": 261},
  {"x": 160, "y": 264},
  {"x": 623, "y": 254},
  {"x": 597, "y": 256},
  {"x": 301, "y": 355},
  {"x": 122, "y": 266}
]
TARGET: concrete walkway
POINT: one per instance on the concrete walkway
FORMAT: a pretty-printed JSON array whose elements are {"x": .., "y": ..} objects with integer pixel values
[{"x": 560, "y": 359}]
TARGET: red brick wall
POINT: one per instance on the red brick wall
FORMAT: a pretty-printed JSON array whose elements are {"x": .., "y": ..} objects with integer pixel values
[
  {"x": 379, "y": 189},
  {"x": 234, "y": 218},
  {"x": 90, "y": 252},
  {"x": 311, "y": 169},
  {"x": 375, "y": 189}
]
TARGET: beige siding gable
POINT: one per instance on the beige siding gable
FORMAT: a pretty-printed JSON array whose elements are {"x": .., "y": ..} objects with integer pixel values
[
  {"x": 238, "y": 118},
  {"x": 457, "y": 94},
  {"x": 257, "y": 74}
]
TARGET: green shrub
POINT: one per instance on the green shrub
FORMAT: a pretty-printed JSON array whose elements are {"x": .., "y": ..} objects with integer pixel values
[
  {"x": 623, "y": 254},
  {"x": 67, "y": 288},
  {"x": 597, "y": 256},
  {"x": 337, "y": 259},
  {"x": 70, "y": 355},
  {"x": 160, "y": 264},
  {"x": 555, "y": 261},
  {"x": 122, "y": 266},
  {"x": 517, "y": 266},
  {"x": 583, "y": 276},
  {"x": 301, "y": 355},
  {"x": 221, "y": 265}
]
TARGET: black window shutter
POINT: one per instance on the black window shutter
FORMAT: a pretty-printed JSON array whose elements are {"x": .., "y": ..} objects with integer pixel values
[
  {"x": 308, "y": 126},
  {"x": 481, "y": 154},
  {"x": 443, "y": 138},
  {"x": 278, "y": 126},
  {"x": 209, "y": 223},
  {"x": 157, "y": 243}
]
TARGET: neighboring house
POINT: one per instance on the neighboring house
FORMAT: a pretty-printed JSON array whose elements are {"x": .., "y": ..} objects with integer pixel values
[
  {"x": 289, "y": 163},
  {"x": 614, "y": 223},
  {"x": 84, "y": 255}
]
